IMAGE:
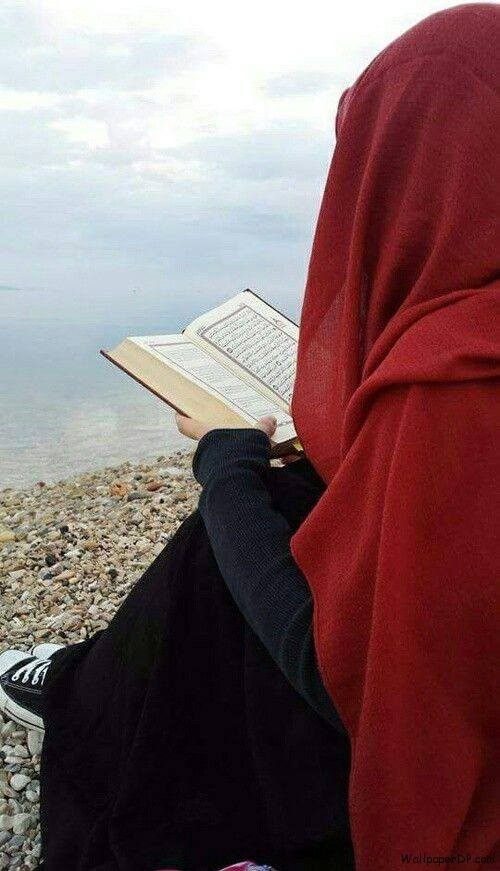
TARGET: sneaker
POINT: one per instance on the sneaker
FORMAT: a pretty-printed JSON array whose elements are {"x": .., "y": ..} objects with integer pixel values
[
  {"x": 45, "y": 651},
  {"x": 21, "y": 679}
]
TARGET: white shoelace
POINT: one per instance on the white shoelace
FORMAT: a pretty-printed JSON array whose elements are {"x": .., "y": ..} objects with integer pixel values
[{"x": 32, "y": 671}]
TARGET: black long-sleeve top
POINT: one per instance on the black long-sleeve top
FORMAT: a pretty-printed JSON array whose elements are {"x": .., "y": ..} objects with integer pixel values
[{"x": 251, "y": 543}]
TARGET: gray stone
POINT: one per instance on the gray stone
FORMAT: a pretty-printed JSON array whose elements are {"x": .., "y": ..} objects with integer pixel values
[
  {"x": 21, "y": 823},
  {"x": 19, "y": 781},
  {"x": 14, "y": 806},
  {"x": 174, "y": 472},
  {"x": 35, "y": 741},
  {"x": 74, "y": 552},
  {"x": 15, "y": 842},
  {"x": 5, "y": 823},
  {"x": 19, "y": 750}
]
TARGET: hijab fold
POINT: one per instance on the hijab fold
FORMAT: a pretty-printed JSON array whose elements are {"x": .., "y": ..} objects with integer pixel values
[{"x": 396, "y": 405}]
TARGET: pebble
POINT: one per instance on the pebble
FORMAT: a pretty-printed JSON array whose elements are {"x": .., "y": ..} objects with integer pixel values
[
  {"x": 21, "y": 751},
  {"x": 73, "y": 552},
  {"x": 21, "y": 823},
  {"x": 19, "y": 781},
  {"x": 35, "y": 741},
  {"x": 119, "y": 489},
  {"x": 7, "y": 729},
  {"x": 153, "y": 486},
  {"x": 13, "y": 845},
  {"x": 49, "y": 593},
  {"x": 137, "y": 494},
  {"x": 175, "y": 472},
  {"x": 6, "y": 535}
]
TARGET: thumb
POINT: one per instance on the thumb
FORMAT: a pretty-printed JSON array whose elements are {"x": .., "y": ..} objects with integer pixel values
[{"x": 268, "y": 424}]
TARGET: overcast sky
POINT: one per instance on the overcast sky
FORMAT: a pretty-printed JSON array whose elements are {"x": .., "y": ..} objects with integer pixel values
[{"x": 172, "y": 149}]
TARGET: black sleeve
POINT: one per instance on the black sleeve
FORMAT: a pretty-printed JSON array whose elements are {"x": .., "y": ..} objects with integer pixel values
[{"x": 251, "y": 543}]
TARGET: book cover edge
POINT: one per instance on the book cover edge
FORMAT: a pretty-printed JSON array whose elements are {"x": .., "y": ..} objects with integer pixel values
[{"x": 277, "y": 447}]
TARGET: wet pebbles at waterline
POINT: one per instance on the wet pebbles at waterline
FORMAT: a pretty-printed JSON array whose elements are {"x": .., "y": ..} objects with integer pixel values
[{"x": 69, "y": 554}]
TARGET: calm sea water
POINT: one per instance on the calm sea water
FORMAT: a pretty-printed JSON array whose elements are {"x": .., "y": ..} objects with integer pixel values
[{"x": 64, "y": 409}]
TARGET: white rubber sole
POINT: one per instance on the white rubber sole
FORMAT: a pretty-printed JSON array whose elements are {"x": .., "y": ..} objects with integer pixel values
[
  {"x": 44, "y": 651},
  {"x": 8, "y": 706}
]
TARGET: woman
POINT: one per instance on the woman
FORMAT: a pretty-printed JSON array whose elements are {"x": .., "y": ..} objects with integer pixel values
[{"x": 382, "y": 545}]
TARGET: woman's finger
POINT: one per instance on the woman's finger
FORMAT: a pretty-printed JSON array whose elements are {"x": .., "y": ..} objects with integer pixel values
[
  {"x": 193, "y": 429},
  {"x": 268, "y": 424},
  {"x": 189, "y": 427}
]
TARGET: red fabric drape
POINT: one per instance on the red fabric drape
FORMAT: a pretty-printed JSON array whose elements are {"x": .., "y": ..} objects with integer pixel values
[{"x": 396, "y": 404}]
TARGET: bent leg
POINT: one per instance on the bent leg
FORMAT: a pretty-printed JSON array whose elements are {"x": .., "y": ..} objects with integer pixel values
[{"x": 173, "y": 739}]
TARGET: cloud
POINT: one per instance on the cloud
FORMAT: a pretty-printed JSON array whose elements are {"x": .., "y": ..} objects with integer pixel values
[
  {"x": 281, "y": 152},
  {"x": 298, "y": 83},
  {"x": 21, "y": 25},
  {"x": 94, "y": 134},
  {"x": 28, "y": 140},
  {"x": 78, "y": 61},
  {"x": 166, "y": 143}
]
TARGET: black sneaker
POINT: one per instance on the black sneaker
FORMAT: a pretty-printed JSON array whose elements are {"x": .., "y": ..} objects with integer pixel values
[{"x": 21, "y": 679}]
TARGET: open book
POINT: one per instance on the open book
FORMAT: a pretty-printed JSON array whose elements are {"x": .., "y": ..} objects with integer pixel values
[{"x": 227, "y": 368}]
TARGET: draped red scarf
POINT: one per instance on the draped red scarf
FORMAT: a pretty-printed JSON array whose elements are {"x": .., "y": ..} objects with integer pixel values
[{"x": 396, "y": 404}]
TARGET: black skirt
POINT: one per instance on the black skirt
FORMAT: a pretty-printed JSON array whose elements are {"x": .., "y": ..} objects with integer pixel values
[{"x": 173, "y": 740}]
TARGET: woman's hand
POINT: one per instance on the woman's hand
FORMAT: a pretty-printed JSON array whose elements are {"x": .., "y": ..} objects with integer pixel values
[{"x": 193, "y": 429}]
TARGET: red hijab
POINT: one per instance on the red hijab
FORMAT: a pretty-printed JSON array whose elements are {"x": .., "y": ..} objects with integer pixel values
[{"x": 396, "y": 404}]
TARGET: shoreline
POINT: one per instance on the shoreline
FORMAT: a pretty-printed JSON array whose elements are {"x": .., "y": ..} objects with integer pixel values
[
  {"x": 70, "y": 552},
  {"x": 95, "y": 451},
  {"x": 70, "y": 471}
]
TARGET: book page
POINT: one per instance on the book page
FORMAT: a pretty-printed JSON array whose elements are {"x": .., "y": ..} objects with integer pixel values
[
  {"x": 189, "y": 359},
  {"x": 253, "y": 340}
]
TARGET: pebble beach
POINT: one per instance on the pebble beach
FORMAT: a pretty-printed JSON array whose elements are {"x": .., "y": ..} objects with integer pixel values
[{"x": 69, "y": 554}]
